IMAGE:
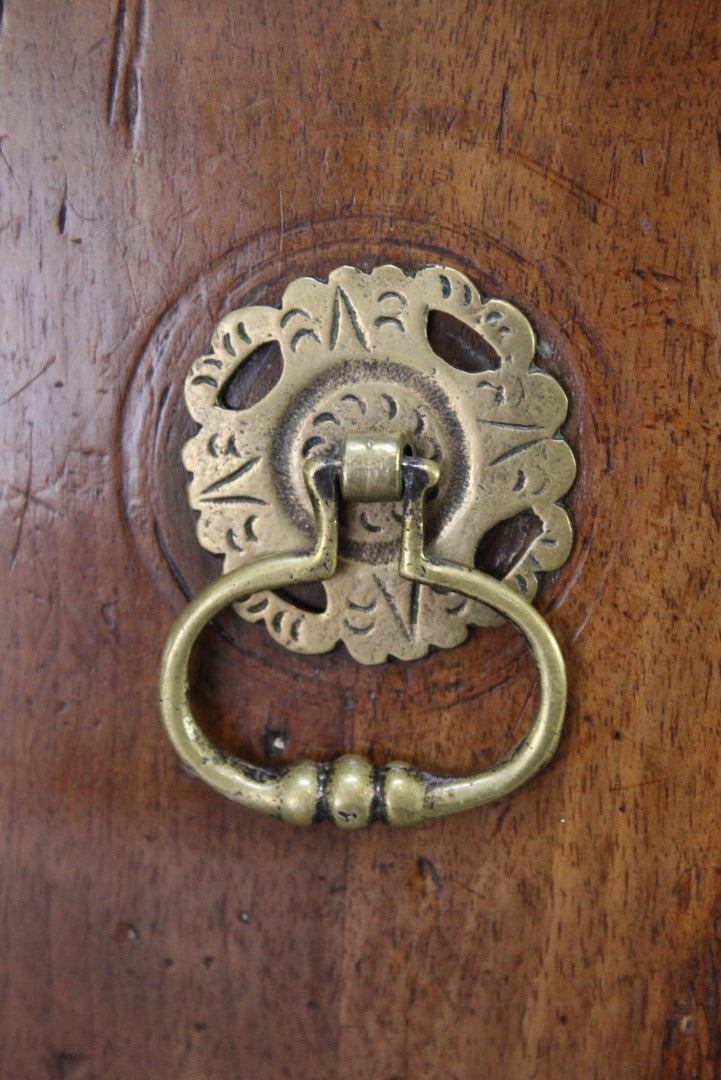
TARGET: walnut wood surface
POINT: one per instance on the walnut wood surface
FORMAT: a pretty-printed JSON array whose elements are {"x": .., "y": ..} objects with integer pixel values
[{"x": 159, "y": 161}]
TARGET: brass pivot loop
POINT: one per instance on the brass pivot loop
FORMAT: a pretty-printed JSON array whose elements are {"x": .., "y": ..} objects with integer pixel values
[
  {"x": 351, "y": 791},
  {"x": 371, "y": 467}
]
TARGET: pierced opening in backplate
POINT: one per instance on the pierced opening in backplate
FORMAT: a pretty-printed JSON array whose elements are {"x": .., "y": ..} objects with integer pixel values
[
  {"x": 254, "y": 378},
  {"x": 311, "y": 598},
  {"x": 507, "y": 542},
  {"x": 459, "y": 345}
]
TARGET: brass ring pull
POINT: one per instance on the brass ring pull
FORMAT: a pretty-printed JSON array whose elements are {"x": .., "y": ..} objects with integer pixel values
[{"x": 351, "y": 791}]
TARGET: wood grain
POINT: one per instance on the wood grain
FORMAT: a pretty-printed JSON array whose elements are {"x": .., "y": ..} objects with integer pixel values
[{"x": 159, "y": 161}]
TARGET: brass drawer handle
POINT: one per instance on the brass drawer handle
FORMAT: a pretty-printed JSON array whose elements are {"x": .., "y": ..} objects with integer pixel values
[
  {"x": 369, "y": 406},
  {"x": 350, "y": 791}
]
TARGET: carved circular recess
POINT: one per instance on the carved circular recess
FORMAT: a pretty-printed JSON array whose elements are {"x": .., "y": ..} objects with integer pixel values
[{"x": 156, "y": 425}]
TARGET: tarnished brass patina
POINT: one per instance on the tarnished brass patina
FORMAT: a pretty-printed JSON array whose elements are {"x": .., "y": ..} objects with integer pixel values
[
  {"x": 365, "y": 415},
  {"x": 357, "y": 358}
]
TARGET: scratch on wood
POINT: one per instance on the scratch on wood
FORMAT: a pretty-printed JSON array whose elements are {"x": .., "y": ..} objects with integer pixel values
[
  {"x": 639, "y": 784},
  {"x": 123, "y": 255},
  {"x": 427, "y": 868},
  {"x": 25, "y": 502},
  {"x": 34, "y": 378},
  {"x": 710, "y": 498},
  {"x": 132, "y": 82},
  {"x": 467, "y": 888},
  {"x": 500, "y": 131},
  {"x": 34, "y": 499},
  {"x": 116, "y": 57},
  {"x": 282, "y": 219},
  {"x": 124, "y": 87},
  {"x": 4, "y": 156},
  {"x": 566, "y": 183},
  {"x": 63, "y": 211}
]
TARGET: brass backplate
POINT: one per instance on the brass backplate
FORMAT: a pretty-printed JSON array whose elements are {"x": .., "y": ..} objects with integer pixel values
[{"x": 357, "y": 357}]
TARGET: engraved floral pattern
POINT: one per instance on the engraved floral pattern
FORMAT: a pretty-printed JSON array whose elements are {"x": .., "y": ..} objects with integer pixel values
[{"x": 356, "y": 356}]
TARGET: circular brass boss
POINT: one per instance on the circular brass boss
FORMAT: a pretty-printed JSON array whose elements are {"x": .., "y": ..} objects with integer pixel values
[{"x": 358, "y": 362}]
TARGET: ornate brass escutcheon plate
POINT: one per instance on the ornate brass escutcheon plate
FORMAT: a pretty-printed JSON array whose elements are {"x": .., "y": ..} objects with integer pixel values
[
  {"x": 374, "y": 466},
  {"x": 356, "y": 357}
]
